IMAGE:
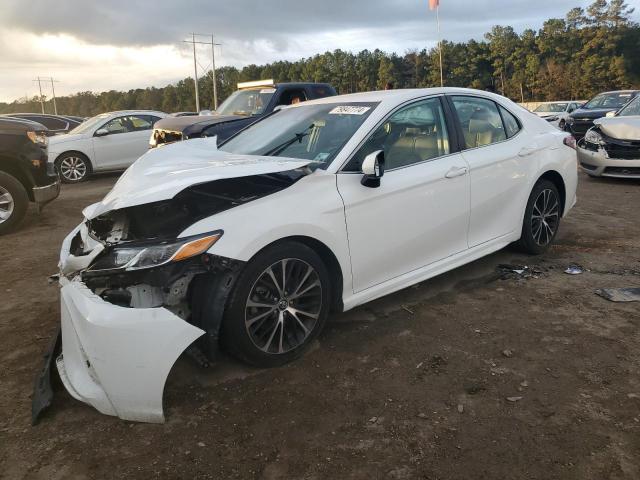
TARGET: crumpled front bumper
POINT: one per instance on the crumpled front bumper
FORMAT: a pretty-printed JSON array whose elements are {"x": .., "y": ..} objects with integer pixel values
[
  {"x": 599, "y": 164},
  {"x": 116, "y": 358}
]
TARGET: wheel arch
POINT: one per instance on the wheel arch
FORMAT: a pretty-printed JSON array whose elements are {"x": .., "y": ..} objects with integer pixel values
[
  {"x": 328, "y": 258},
  {"x": 556, "y": 178}
]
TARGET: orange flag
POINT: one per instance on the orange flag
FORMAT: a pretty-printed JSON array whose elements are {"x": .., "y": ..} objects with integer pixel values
[{"x": 433, "y": 4}]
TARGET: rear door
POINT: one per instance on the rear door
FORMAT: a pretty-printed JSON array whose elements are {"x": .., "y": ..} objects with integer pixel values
[
  {"x": 420, "y": 212},
  {"x": 498, "y": 152}
]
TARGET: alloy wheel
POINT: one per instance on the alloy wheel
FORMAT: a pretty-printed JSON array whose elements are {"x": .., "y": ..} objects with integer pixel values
[
  {"x": 7, "y": 205},
  {"x": 73, "y": 168},
  {"x": 283, "y": 306},
  {"x": 545, "y": 217}
]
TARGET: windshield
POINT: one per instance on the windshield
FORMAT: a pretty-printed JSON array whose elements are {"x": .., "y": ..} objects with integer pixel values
[
  {"x": 551, "y": 107},
  {"x": 608, "y": 100},
  {"x": 630, "y": 109},
  {"x": 310, "y": 132},
  {"x": 246, "y": 102},
  {"x": 89, "y": 124}
]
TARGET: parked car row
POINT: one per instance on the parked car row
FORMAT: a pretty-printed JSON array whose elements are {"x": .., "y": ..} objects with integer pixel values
[
  {"x": 611, "y": 148},
  {"x": 321, "y": 206},
  {"x": 607, "y": 130}
]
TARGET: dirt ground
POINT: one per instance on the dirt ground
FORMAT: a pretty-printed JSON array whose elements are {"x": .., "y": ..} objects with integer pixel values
[{"x": 464, "y": 376}]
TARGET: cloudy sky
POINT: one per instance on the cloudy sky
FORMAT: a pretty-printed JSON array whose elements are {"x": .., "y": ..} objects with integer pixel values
[{"x": 118, "y": 44}]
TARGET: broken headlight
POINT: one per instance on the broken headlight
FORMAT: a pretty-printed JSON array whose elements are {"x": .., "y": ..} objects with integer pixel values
[
  {"x": 594, "y": 137},
  {"x": 137, "y": 256}
]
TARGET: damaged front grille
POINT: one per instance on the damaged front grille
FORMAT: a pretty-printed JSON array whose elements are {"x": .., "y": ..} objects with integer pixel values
[{"x": 630, "y": 151}]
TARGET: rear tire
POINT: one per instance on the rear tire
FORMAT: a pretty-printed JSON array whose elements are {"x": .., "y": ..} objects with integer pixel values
[
  {"x": 268, "y": 324},
  {"x": 73, "y": 167},
  {"x": 541, "y": 218},
  {"x": 14, "y": 202}
]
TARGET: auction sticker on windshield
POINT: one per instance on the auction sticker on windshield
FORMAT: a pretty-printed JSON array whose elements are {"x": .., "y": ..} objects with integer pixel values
[{"x": 349, "y": 110}]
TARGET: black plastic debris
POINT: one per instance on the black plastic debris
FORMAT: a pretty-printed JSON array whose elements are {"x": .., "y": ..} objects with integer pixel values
[
  {"x": 631, "y": 294},
  {"x": 515, "y": 272}
]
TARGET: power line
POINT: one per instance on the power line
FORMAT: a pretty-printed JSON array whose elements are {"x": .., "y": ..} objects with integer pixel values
[
  {"x": 53, "y": 92},
  {"x": 213, "y": 44}
]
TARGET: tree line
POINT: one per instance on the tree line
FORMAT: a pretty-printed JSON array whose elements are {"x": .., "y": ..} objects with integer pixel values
[{"x": 587, "y": 51}]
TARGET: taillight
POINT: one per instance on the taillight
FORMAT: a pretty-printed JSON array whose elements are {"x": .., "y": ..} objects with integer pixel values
[{"x": 569, "y": 141}]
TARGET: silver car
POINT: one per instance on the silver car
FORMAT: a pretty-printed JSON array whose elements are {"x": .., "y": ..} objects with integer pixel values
[{"x": 611, "y": 148}]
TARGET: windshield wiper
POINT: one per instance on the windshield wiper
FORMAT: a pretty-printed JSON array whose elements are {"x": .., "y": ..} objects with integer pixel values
[{"x": 278, "y": 149}]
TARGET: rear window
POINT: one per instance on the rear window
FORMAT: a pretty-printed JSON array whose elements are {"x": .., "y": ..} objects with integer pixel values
[{"x": 320, "y": 91}]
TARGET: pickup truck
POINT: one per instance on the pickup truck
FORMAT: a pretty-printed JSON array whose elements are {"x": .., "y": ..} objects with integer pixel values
[
  {"x": 252, "y": 101},
  {"x": 24, "y": 176}
]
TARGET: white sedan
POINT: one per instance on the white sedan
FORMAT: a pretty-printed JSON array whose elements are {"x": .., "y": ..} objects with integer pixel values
[
  {"x": 320, "y": 207},
  {"x": 556, "y": 113},
  {"x": 106, "y": 142}
]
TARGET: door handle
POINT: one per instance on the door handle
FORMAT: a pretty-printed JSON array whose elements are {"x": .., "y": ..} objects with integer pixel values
[{"x": 456, "y": 172}]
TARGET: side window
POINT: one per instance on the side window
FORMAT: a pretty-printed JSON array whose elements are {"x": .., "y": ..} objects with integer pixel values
[
  {"x": 480, "y": 121},
  {"x": 292, "y": 96},
  {"x": 411, "y": 135},
  {"x": 119, "y": 125},
  {"x": 511, "y": 124},
  {"x": 141, "y": 122}
]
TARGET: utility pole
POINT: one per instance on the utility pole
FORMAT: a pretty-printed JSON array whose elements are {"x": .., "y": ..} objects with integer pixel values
[
  {"x": 40, "y": 88},
  {"x": 213, "y": 44},
  {"x": 53, "y": 91},
  {"x": 195, "y": 72},
  {"x": 213, "y": 71}
]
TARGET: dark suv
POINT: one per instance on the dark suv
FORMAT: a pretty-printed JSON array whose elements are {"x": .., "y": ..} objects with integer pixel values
[
  {"x": 23, "y": 170},
  {"x": 582, "y": 119},
  {"x": 252, "y": 101}
]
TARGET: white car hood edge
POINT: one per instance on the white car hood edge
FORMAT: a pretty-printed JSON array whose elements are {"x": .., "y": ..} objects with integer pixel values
[
  {"x": 622, "y": 128},
  {"x": 162, "y": 173}
]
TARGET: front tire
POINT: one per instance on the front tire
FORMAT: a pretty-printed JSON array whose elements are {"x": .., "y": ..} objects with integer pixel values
[
  {"x": 541, "y": 218},
  {"x": 73, "y": 167},
  {"x": 14, "y": 202},
  {"x": 278, "y": 306}
]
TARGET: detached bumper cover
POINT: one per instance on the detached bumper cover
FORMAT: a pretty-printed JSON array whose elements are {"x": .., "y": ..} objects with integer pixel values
[
  {"x": 115, "y": 358},
  {"x": 599, "y": 164},
  {"x": 42, "y": 195}
]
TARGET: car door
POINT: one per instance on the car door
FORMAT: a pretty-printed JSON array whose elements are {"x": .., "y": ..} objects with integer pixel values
[
  {"x": 127, "y": 139},
  {"x": 497, "y": 155},
  {"x": 420, "y": 212}
]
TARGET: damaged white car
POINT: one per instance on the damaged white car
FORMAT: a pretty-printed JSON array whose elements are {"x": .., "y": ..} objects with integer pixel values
[
  {"x": 319, "y": 207},
  {"x": 611, "y": 148}
]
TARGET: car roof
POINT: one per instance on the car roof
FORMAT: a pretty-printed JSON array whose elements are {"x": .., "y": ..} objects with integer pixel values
[
  {"x": 399, "y": 96},
  {"x": 618, "y": 91}
]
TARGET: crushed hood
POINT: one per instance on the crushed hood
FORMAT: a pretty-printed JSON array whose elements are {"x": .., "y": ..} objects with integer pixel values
[
  {"x": 622, "y": 128},
  {"x": 162, "y": 173}
]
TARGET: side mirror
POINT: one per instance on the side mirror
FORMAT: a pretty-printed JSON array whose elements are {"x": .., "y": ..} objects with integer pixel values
[
  {"x": 101, "y": 132},
  {"x": 610, "y": 114},
  {"x": 373, "y": 169}
]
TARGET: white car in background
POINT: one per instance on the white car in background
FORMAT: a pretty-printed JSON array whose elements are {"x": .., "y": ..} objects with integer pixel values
[
  {"x": 556, "y": 113},
  {"x": 320, "y": 207},
  {"x": 106, "y": 142}
]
